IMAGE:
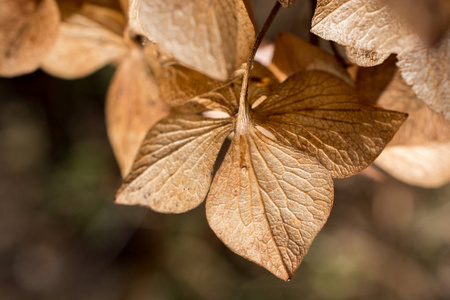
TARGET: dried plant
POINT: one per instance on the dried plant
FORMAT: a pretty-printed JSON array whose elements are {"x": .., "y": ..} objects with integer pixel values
[{"x": 186, "y": 81}]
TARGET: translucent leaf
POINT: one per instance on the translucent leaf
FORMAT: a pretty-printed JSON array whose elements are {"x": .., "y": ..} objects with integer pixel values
[
  {"x": 133, "y": 106},
  {"x": 425, "y": 165},
  {"x": 427, "y": 70},
  {"x": 90, "y": 37},
  {"x": 293, "y": 55},
  {"x": 214, "y": 37}
]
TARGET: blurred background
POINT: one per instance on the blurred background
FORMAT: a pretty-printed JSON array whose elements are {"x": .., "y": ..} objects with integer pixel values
[{"x": 62, "y": 237}]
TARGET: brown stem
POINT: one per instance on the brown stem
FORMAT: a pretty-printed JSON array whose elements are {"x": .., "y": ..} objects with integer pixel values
[{"x": 243, "y": 103}]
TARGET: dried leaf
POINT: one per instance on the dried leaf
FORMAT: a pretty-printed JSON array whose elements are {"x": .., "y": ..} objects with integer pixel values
[
  {"x": 370, "y": 26},
  {"x": 214, "y": 37},
  {"x": 180, "y": 85},
  {"x": 419, "y": 153},
  {"x": 262, "y": 82},
  {"x": 371, "y": 82},
  {"x": 423, "y": 125},
  {"x": 114, "y": 4},
  {"x": 353, "y": 70},
  {"x": 125, "y": 4},
  {"x": 108, "y": 17},
  {"x": 365, "y": 58},
  {"x": 275, "y": 198},
  {"x": 90, "y": 37},
  {"x": 293, "y": 55},
  {"x": 426, "y": 165},
  {"x": 427, "y": 70},
  {"x": 428, "y": 18},
  {"x": 173, "y": 170},
  {"x": 274, "y": 195},
  {"x": 134, "y": 21},
  {"x": 319, "y": 114},
  {"x": 374, "y": 30},
  {"x": 133, "y": 106},
  {"x": 28, "y": 30}
]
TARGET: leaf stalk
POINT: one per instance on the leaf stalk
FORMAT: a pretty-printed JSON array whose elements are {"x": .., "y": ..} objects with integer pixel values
[{"x": 244, "y": 108}]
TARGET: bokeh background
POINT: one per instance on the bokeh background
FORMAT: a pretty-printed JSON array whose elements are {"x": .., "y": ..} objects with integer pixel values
[{"x": 62, "y": 237}]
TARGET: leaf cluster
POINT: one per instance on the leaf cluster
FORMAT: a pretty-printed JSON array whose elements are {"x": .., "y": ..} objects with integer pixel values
[{"x": 185, "y": 83}]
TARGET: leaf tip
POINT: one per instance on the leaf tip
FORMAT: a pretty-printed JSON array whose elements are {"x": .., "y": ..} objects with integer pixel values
[
  {"x": 118, "y": 198},
  {"x": 286, "y": 275},
  {"x": 403, "y": 116}
]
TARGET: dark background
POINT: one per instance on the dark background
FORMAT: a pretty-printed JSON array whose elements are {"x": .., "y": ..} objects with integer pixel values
[{"x": 62, "y": 237}]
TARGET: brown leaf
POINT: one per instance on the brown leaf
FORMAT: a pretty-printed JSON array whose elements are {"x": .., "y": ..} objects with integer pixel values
[
  {"x": 173, "y": 170},
  {"x": 110, "y": 17},
  {"x": 319, "y": 114},
  {"x": 262, "y": 82},
  {"x": 180, "y": 85},
  {"x": 293, "y": 55},
  {"x": 90, "y": 37},
  {"x": 427, "y": 70},
  {"x": 214, "y": 37},
  {"x": 250, "y": 11},
  {"x": 365, "y": 58},
  {"x": 125, "y": 5},
  {"x": 28, "y": 30},
  {"x": 133, "y": 106},
  {"x": 369, "y": 26},
  {"x": 426, "y": 165},
  {"x": 423, "y": 124},
  {"x": 371, "y": 82},
  {"x": 276, "y": 197},
  {"x": 114, "y": 4},
  {"x": 374, "y": 30},
  {"x": 430, "y": 19},
  {"x": 134, "y": 21},
  {"x": 419, "y": 152},
  {"x": 268, "y": 202}
]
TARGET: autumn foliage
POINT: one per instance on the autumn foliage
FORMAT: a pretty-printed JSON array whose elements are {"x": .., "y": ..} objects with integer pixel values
[{"x": 186, "y": 83}]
